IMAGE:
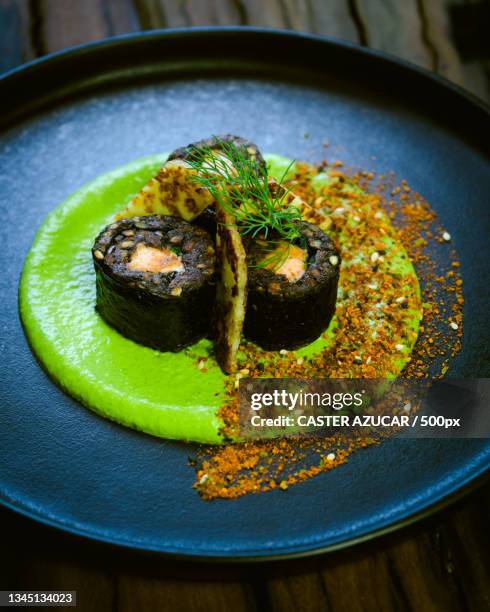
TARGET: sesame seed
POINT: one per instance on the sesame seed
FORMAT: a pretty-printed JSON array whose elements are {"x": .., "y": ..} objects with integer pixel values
[
  {"x": 446, "y": 236},
  {"x": 401, "y": 299},
  {"x": 374, "y": 257},
  {"x": 357, "y": 359},
  {"x": 407, "y": 407},
  {"x": 331, "y": 457},
  {"x": 203, "y": 479},
  {"x": 283, "y": 352},
  {"x": 453, "y": 325},
  {"x": 333, "y": 259},
  {"x": 98, "y": 254},
  {"x": 245, "y": 372},
  {"x": 176, "y": 291},
  {"x": 300, "y": 361},
  {"x": 400, "y": 347}
]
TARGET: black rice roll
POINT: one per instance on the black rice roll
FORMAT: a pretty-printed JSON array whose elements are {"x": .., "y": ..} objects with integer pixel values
[
  {"x": 247, "y": 148},
  {"x": 207, "y": 219},
  {"x": 155, "y": 280},
  {"x": 291, "y": 299}
]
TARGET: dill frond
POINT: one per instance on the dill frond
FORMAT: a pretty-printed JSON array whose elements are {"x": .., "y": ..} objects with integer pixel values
[{"x": 242, "y": 187}]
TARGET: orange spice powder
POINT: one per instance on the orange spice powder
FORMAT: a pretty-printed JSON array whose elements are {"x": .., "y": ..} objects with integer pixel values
[{"x": 236, "y": 469}]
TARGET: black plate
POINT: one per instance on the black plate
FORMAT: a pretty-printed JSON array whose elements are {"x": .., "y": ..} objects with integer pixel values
[{"x": 77, "y": 114}]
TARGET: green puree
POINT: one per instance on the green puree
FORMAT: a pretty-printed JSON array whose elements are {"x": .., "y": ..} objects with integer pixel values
[{"x": 164, "y": 394}]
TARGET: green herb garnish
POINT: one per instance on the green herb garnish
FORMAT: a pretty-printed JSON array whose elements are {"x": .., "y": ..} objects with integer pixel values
[{"x": 243, "y": 188}]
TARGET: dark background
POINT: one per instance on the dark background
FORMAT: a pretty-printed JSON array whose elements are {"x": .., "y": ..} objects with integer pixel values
[{"x": 441, "y": 563}]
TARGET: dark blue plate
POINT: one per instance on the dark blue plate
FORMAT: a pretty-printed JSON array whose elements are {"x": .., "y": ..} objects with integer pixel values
[{"x": 78, "y": 114}]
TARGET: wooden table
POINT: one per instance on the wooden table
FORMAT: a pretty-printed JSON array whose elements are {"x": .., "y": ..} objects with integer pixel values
[{"x": 439, "y": 564}]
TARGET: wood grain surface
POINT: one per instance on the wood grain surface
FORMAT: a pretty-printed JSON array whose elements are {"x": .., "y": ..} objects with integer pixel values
[{"x": 439, "y": 564}]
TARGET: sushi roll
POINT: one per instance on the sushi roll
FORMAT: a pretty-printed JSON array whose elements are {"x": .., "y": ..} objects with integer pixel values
[
  {"x": 155, "y": 280},
  {"x": 246, "y": 148},
  {"x": 292, "y": 289},
  {"x": 249, "y": 150}
]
